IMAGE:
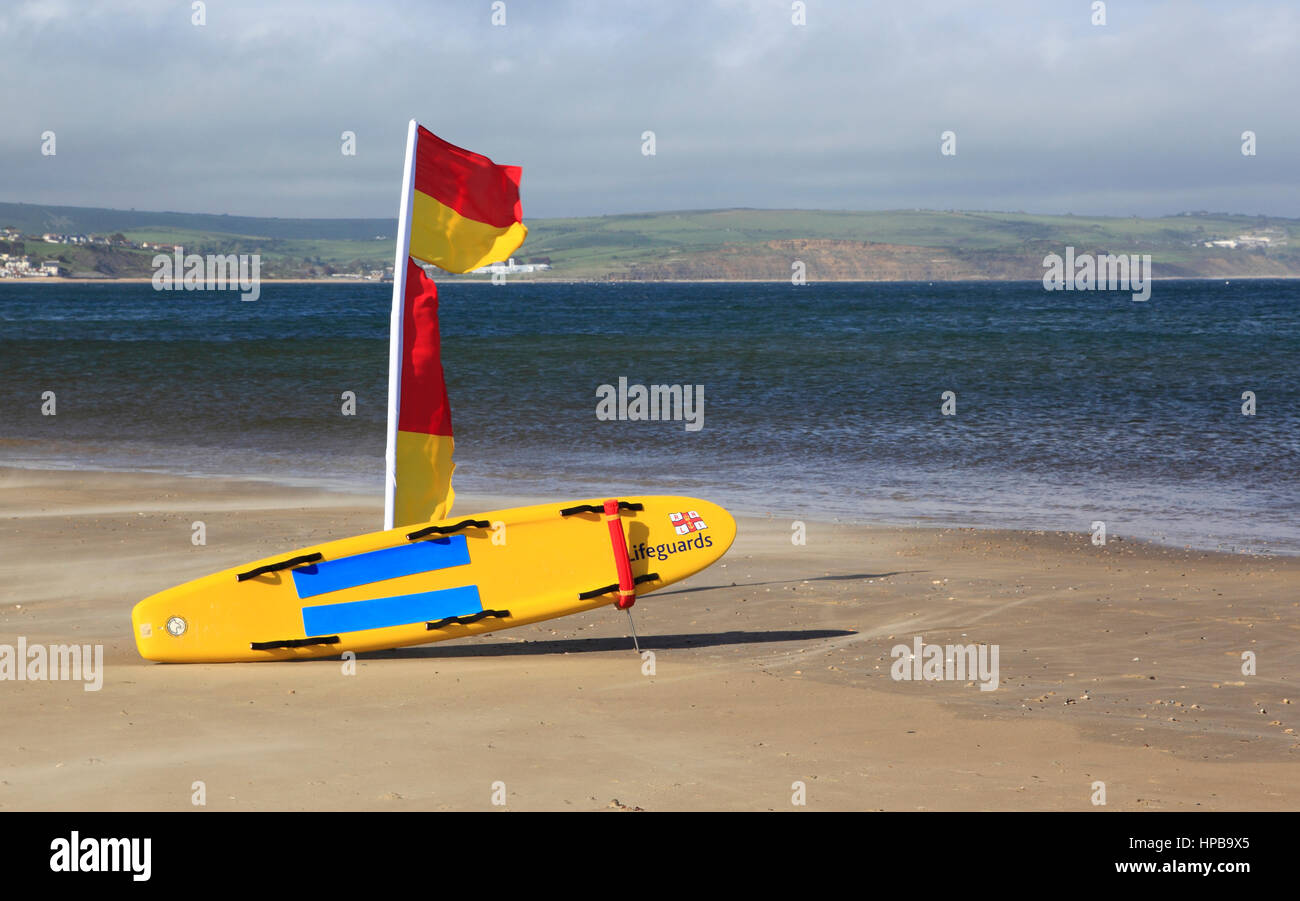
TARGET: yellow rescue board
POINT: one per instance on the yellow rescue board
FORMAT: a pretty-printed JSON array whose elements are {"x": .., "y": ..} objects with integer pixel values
[{"x": 420, "y": 584}]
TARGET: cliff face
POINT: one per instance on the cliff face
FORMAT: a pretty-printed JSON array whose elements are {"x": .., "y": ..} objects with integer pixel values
[
  {"x": 1219, "y": 266},
  {"x": 832, "y": 260}
]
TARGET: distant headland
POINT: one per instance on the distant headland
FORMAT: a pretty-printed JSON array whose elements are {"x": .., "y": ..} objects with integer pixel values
[{"x": 39, "y": 241}]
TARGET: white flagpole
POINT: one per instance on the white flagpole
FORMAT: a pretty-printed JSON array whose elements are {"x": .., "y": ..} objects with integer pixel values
[{"x": 395, "y": 326}]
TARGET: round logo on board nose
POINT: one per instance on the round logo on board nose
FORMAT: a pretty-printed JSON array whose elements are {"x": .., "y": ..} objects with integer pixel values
[{"x": 176, "y": 626}]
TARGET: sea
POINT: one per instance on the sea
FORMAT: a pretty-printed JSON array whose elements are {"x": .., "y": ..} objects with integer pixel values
[{"x": 988, "y": 404}]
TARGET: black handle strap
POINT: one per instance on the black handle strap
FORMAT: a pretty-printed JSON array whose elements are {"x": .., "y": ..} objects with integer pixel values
[
  {"x": 293, "y": 643},
  {"x": 608, "y": 589},
  {"x": 276, "y": 567},
  {"x": 467, "y": 619},
  {"x": 596, "y": 508},
  {"x": 447, "y": 530}
]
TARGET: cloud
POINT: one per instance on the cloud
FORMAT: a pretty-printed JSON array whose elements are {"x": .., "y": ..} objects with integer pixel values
[{"x": 245, "y": 114}]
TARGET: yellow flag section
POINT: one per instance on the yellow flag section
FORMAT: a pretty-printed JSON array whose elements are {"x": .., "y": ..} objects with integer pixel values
[
  {"x": 444, "y": 580},
  {"x": 441, "y": 236},
  {"x": 459, "y": 211}
]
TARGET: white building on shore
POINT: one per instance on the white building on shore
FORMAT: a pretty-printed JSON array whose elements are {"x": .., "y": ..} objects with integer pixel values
[{"x": 510, "y": 267}]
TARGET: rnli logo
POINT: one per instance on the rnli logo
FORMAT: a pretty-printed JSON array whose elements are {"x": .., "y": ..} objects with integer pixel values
[{"x": 686, "y": 523}]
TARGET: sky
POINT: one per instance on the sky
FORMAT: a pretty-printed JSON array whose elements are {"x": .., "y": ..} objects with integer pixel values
[{"x": 245, "y": 114}]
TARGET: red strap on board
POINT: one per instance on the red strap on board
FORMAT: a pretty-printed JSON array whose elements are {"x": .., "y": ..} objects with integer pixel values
[{"x": 626, "y": 586}]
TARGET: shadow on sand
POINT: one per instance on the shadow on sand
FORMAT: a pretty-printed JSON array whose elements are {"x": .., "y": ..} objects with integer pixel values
[{"x": 585, "y": 645}]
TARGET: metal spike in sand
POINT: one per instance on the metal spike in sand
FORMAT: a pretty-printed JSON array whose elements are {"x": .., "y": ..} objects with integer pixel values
[{"x": 633, "y": 624}]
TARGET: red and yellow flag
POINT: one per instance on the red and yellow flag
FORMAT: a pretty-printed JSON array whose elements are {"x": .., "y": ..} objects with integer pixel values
[
  {"x": 461, "y": 211},
  {"x": 422, "y": 490},
  {"x": 465, "y": 211}
]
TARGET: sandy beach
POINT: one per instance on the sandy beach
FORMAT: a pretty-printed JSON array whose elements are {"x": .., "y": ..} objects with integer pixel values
[{"x": 1119, "y": 664}]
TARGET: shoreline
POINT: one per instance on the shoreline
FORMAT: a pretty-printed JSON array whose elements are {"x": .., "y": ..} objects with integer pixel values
[
  {"x": 357, "y": 493},
  {"x": 485, "y": 280}
]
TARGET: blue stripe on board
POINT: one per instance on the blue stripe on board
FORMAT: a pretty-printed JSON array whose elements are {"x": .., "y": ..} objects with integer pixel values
[
  {"x": 375, "y": 566},
  {"x": 328, "y": 619}
]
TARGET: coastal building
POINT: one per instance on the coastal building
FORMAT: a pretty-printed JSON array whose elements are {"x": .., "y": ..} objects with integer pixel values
[
  {"x": 14, "y": 266},
  {"x": 510, "y": 267},
  {"x": 1260, "y": 241}
]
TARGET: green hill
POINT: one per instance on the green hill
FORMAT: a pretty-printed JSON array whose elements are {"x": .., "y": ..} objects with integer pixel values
[
  {"x": 37, "y": 219},
  {"x": 705, "y": 244}
]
